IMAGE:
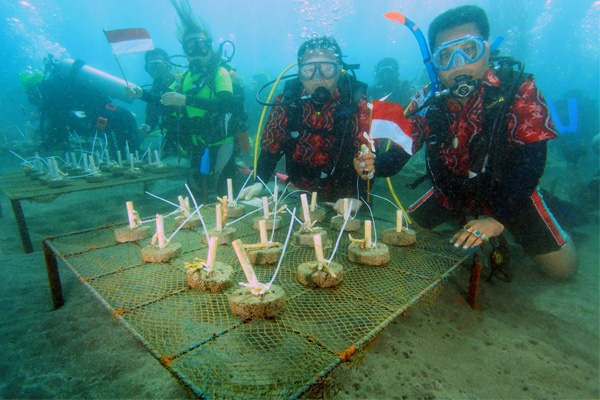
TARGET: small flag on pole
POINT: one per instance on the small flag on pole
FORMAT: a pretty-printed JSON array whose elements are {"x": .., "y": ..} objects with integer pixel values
[
  {"x": 388, "y": 122},
  {"x": 129, "y": 40}
]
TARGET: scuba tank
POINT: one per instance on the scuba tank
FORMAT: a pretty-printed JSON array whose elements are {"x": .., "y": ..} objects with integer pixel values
[{"x": 81, "y": 73}]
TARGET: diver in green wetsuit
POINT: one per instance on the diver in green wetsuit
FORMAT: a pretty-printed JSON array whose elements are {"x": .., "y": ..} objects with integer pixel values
[{"x": 203, "y": 104}]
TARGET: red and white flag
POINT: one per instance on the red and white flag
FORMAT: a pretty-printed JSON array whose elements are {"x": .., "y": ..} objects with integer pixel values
[
  {"x": 129, "y": 40},
  {"x": 388, "y": 122}
]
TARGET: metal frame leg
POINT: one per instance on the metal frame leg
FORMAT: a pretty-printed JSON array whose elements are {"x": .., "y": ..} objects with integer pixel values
[
  {"x": 53, "y": 276},
  {"x": 22, "y": 225},
  {"x": 474, "y": 280}
]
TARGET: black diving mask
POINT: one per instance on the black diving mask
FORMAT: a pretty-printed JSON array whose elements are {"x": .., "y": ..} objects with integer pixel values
[
  {"x": 197, "y": 47},
  {"x": 157, "y": 67}
]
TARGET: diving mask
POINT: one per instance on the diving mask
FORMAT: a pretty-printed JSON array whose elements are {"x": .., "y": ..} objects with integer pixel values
[
  {"x": 326, "y": 70},
  {"x": 458, "y": 52},
  {"x": 197, "y": 47},
  {"x": 386, "y": 73},
  {"x": 156, "y": 67}
]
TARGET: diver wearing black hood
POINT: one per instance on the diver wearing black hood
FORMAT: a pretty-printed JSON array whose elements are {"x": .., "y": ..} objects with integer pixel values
[
  {"x": 158, "y": 66},
  {"x": 317, "y": 123},
  {"x": 201, "y": 101},
  {"x": 388, "y": 84}
]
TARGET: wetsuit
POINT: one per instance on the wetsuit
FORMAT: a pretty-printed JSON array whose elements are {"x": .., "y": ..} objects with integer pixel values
[
  {"x": 68, "y": 106},
  {"x": 318, "y": 144},
  {"x": 155, "y": 112},
  {"x": 474, "y": 178},
  {"x": 200, "y": 128}
]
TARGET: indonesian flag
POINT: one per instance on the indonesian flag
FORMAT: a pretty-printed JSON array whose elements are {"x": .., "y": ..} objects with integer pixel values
[
  {"x": 388, "y": 122},
  {"x": 129, "y": 40}
]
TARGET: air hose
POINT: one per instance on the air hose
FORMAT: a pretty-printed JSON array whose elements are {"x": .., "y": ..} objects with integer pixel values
[{"x": 264, "y": 111}]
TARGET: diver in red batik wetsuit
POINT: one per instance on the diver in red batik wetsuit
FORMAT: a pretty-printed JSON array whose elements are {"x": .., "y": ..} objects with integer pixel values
[
  {"x": 485, "y": 155},
  {"x": 318, "y": 124}
]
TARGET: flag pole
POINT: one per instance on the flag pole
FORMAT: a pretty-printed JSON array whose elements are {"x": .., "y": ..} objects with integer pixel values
[
  {"x": 121, "y": 68},
  {"x": 118, "y": 63}
]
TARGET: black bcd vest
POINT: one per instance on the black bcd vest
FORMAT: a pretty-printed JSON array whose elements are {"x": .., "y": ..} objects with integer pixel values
[
  {"x": 342, "y": 152},
  {"x": 489, "y": 152}
]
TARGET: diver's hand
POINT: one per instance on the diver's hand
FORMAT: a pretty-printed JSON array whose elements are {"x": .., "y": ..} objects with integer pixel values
[
  {"x": 173, "y": 99},
  {"x": 475, "y": 232},
  {"x": 364, "y": 165},
  {"x": 144, "y": 129},
  {"x": 134, "y": 91},
  {"x": 250, "y": 192},
  {"x": 355, "y": 205}
]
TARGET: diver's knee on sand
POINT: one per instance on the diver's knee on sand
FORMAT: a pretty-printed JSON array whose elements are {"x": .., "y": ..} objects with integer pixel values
[{"x": 561, "y": 264}]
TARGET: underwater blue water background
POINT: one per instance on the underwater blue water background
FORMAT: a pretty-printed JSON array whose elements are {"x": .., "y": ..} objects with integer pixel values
[
  {"x": 532, "y": 338},
  {"x": 557, "y": 39}
]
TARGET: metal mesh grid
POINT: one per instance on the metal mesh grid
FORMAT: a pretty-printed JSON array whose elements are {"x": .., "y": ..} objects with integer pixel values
[
  {"x": 336, "y": 319},
  {"x": 130, "y": 288},
  {"x": 161, "y": 322},
  {"x": 85, "y": 241},
  {"x": 106, "y": 260},
  {"x": 216, "y": 354},
  {"x": 259, "y": 359}
]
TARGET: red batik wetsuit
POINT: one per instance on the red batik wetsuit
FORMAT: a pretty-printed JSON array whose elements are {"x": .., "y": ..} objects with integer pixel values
[
  {"x": 463, "y": 186},
  {"x": 319, "y": 145}
]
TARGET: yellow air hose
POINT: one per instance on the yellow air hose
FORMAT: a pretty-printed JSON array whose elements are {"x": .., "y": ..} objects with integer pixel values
[
  {"x": 264, "y": 111},
  {"x": 389, "y": 182}
]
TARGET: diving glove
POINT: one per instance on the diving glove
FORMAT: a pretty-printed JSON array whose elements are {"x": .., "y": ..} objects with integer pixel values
[{"x": 249, "y": 192}]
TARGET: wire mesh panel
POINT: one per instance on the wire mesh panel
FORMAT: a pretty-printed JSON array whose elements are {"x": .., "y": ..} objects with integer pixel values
[
  {"x": 190, "y": 240},
  {"x": 130, "y": 288},
  {"x": 216, "y": 354},
  {"x": 85, "y": 241},
  {"x": 389, "y": 287},
  {"x": 259, "y": 359},
  {"x": 181, "y": 322},
  {"x": 106, "y": 260},
  {"x": 335, "y": 319}
]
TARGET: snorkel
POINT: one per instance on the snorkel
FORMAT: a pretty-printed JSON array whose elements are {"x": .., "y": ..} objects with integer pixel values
[
  {"x": 401, "y": 19},
  {"x": 464, "y": 84},
  {"x": 434, "y": 90}
]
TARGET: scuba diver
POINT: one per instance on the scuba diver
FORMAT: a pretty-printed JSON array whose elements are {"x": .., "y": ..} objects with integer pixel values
[
  {"x": 485, "y": 155},
  {"x": 206, "y": 111},
  {"x": 158, "y": 66},
  {"x": 73, "y": 98},
  {"x": 387, "y": 75},
  {"x": 317, "y": 123}
]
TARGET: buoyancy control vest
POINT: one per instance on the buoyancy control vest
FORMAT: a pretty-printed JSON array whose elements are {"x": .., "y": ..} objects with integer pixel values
[
  {"x": 342, "y": 152},
  {"x": 217, "y": 127},
  {"x": 489, "y": 152}
]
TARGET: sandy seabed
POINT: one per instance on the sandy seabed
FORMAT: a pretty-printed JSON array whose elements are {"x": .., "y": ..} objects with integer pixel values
[{"x": 532, "y": 338}]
